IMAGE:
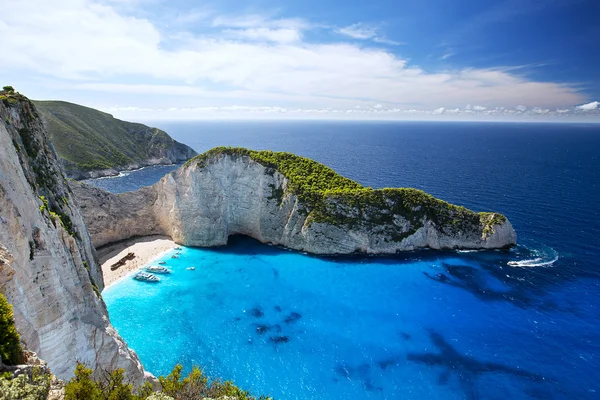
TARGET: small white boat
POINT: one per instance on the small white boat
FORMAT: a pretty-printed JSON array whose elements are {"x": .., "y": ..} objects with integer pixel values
[
  {"x": 146, "y": 277},
  {"x": 162, "y": 262},
  {"x": 191, "y": 268},
  {"x": 157, "y": 269},
  {"x": 177, "y": 248},
  {"x": 174, "y": 256}
]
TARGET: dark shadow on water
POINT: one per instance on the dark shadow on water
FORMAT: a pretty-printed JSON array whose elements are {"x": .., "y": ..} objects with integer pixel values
[
  {"x": 525, "y": 287},
  {"x": 521, "y": 288},
  {"x": 360, "y": 373},
  {"x": 465, "y": 368}
]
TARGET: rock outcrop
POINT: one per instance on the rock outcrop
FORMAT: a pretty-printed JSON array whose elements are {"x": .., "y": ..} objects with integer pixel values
[
  {"x": 286, "y": 200},
  {"x": 48, "y": 269}
]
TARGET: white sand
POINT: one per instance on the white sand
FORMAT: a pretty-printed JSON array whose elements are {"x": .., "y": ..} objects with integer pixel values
[{"x": 146, "y": 250}]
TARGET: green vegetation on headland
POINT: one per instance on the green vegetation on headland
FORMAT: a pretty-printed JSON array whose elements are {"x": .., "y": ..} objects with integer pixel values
[
  {"x": 87, "y": 139},
  {"x": 334, "y": 199}
]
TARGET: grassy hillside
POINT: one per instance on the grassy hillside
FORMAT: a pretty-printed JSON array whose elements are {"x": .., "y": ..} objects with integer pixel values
[
  {"x": 329, "y": 195},
  {"x": 88, "y": 139}
]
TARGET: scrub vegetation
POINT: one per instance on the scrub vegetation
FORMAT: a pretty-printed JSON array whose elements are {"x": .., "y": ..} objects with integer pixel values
[{"x": 196, "y": 385}]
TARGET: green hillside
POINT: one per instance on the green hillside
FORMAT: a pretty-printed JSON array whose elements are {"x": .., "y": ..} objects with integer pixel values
[{"x": 87, "y": 139}]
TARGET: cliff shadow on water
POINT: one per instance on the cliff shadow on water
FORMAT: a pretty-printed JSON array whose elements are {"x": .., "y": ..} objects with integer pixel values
[{"x": 483, "y": 274}]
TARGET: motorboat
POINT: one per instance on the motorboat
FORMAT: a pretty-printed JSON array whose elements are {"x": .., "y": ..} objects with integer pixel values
[
  {"x": 177, "y": 248},
  {"x": 191, "y": 268},
  {"x": 174, "y": 256},
  {"x": 162, "y": 262},
  {"x": 146, "y": 277},
  {"x": 157, "y": 269}
]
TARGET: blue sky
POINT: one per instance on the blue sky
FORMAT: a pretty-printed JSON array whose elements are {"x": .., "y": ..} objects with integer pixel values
[{"x": 426, "y": 59}]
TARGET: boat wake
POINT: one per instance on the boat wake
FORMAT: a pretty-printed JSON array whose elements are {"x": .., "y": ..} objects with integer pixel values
[{"x": 540, "y": 259}]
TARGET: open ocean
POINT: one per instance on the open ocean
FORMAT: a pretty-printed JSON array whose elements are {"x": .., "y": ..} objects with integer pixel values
[{"x": 300, "y": 327}]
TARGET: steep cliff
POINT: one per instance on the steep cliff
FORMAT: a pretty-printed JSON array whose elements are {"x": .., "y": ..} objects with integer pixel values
[
  {"x": 48, "y": 269},
  {"x": 287, "y": 200},
  {"x": 91, "y": 143}
]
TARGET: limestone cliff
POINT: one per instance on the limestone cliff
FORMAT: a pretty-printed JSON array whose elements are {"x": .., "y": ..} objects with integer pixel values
[
  {"x": 48, "y": 269},
  {"x": 286, "y": 200}
]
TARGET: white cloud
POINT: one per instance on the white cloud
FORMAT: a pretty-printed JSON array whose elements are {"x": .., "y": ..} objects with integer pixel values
[
  {"x": 258, "y": 21},
  {"x": 379, "y": 39},
  {"x": 589, "y": 106},
  {"x": 478, "y": 108},
  {"x": 244, "y": 58},
  {"x": 272, "y": 35},
  {"x": 362, "y": 32},
  {"x": 356, "y": 112},
  {"x": 358, "y": 31}
]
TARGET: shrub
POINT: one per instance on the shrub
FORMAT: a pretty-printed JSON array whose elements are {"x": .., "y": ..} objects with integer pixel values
[
  {"x": 10, "y": 342},
  {"x": 82, "y": 386},
  {"x": 195, "y": 386},
  {"x": 8, "y": 89},
  {"x": 24, "y": 388},
  {"x": 115, "y": 389}
]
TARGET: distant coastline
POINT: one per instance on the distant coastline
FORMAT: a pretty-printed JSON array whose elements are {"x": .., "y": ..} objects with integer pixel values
[{"x": 81, "y": 175}]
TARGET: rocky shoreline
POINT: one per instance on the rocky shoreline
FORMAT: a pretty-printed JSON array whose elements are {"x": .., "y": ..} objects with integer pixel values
[{"x": 80, "y": 175}]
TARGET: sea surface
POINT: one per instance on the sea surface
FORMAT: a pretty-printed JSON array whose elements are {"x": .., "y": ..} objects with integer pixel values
[{"x": 421, "y": 325}]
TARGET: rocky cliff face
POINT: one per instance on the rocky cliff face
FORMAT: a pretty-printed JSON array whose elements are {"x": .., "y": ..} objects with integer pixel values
[
  {"x": 230, "y": 192},
  {"x": 48, "y": 269}
]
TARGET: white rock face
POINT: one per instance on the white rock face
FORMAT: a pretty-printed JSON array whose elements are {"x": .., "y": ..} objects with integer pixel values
[
  {"x": 47, "y": 271},
  {"x": 204, "y": 205}
]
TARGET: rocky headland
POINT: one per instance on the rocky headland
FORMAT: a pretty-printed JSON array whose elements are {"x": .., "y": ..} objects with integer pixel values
[
  {"x": 287, "y": 200},
  {"x": 93, "y": 144}
]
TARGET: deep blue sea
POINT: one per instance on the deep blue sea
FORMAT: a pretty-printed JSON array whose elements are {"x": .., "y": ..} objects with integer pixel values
[{"x": 300, "y": 327}]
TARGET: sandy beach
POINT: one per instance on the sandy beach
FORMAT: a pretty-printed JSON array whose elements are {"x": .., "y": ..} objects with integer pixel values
[{"x": 146, "y": 249}]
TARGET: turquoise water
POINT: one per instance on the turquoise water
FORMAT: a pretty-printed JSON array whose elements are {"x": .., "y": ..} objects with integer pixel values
[
  {"x": 423, "y": 325},
  {"x": 426, "y": 326}
]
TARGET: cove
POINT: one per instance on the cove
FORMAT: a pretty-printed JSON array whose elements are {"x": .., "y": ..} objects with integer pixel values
[{"x": 421, "y": 325}]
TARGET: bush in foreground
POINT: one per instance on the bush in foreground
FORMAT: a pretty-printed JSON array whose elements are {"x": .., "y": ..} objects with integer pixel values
[
  {"x": 25, "y": 387},
  {"x": 113, "y": 387}
]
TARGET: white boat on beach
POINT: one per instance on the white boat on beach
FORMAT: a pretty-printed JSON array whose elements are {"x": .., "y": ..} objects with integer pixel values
[
  {"x": 157, "y": 269},
  {"x": 146, "y": 277}
]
